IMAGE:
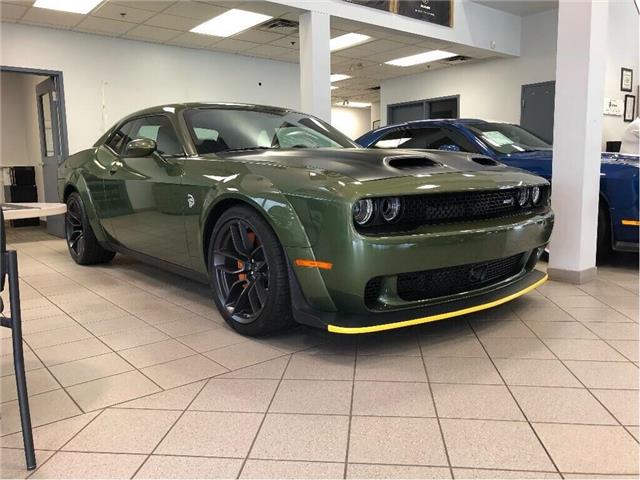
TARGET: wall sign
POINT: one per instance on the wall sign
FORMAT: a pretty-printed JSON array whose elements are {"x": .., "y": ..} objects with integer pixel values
[
  {"x": 613, "y": 106},
  {"x": 439, "y": 12},
  {"x": 626, "y": 79}
]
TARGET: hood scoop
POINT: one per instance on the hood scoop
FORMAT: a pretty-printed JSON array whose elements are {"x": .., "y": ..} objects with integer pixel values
[
  {"x": 410, "y": 162},
  {"x": 486, "y": 161}
]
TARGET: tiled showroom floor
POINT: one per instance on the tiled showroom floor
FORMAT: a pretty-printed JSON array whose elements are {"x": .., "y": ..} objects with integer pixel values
[{"x": 133, "y": 373}]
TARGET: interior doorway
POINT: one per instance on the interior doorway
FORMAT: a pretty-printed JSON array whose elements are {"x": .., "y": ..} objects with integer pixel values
[
  {"x": 537, "y": 105},
  {"x": 33, "y": 129}
]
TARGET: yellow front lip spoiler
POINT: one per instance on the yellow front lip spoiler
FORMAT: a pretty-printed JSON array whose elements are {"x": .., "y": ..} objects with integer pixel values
[{"x": 434, "y": 318}]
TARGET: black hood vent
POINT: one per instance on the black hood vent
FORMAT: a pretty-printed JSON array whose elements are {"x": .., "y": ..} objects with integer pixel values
[
  {"x": 486, "y": 161},
  {"x": 410, "y": 162}
]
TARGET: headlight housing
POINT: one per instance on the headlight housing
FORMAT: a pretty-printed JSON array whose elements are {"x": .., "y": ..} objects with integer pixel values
[
  {"x": 536, "y": 195},
  {"x": 363, "y": 211},
  {"x": 523, "y": 196},
  {"x": 390, "y": 208}
]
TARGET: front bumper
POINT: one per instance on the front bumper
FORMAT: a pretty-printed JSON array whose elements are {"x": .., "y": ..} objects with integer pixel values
[{"x": 379, "y": 321}]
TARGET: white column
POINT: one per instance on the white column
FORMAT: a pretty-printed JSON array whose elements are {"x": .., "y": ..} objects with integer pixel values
[
  {"x": 315, "y": 65},
  {"x": 577, "y": 136}
]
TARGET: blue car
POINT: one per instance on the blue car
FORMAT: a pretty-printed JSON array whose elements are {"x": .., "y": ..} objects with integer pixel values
[{"x": 514, "y": 146}]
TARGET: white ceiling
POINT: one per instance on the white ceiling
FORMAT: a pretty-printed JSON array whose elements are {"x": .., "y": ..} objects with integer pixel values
[
  {"x": 521, "y": 8},
  {"x": 168, "y": 22}
]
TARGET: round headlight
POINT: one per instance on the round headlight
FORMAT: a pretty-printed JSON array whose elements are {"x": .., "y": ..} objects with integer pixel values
[
  {"x": 523, "y": 196},
  {"x": 363, "y": 211},
  {"x": 535, "y": 195},
  {"x": 390, "y": 208}
]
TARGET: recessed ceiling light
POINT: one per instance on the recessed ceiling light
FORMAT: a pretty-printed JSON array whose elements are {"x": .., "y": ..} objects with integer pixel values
[
  {"x": 333, "y": 87},
  {"x": 230, "y": 22},
  {"x": 72, "y": 6},
  {"x": 347, "y": 103},
  {"x": 347, "y": 40},
  {"x": 425, "y": 57},
  {"x": 336, "y": 77}
]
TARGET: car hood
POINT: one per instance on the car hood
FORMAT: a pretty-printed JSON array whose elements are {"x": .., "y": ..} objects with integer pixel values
[{"x": 370, "y": 164}]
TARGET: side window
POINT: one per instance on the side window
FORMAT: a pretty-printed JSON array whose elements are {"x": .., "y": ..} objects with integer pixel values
[
  {"x": 158, "y": 128},
  {"x": 431, "y": 138},
  {"x": 393, "y": 139},
  {"x": 119, "y": 139}
]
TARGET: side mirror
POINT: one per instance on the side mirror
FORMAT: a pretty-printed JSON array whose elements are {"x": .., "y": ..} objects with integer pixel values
[
  {"x": 449, "y": 147},
  {"x": 140, "y": 147}
]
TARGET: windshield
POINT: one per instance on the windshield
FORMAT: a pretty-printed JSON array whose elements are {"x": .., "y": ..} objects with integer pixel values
[
  {"x": 507, "y": 138},
  {"x": 217, "y": 130}
]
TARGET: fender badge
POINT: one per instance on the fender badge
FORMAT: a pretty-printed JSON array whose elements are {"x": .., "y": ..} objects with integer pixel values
[{"x": 191, "y": 201}]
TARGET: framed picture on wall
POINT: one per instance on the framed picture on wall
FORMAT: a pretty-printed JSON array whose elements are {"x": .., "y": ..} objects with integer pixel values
[
  {"x": 375, "y": 124},
  {"x": 629, "y": 108},
  {"x": 626, "y": 79}
]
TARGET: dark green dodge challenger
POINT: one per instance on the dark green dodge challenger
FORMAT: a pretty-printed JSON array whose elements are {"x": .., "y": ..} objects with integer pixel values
[{"x": 290, "y": 220}]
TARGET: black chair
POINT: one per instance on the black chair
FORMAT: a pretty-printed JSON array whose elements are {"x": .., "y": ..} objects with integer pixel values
[{"x": 9, "y": 269}]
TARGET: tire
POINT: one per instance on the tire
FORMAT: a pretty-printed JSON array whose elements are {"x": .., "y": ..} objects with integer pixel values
[
  {"x": 249, "y": 274},
  {"x": 604, "y": 232},
  {"x": 82, "y": 243}
]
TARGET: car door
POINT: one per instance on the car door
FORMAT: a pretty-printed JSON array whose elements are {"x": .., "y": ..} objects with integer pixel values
[{"x": 147, "y": 216}]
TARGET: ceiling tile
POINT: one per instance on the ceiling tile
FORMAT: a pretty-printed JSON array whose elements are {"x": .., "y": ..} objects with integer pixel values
[
  {"x": 115, "y": 12},
  {"x": 232, "y": 45},
  {"x": 290, "y": 42},
  {"x": 269, "y": 51},
  {"x": 263, "y": 7},
  {"x": 154, "y": 34},
  {"x": 41, "y": 16},
  {"x": 12, "y": 12},
  {"x": 151, "y": 5},
  {"x": 291, "y": 56},
  {"x": 370, "y": 48},
  {"x": 257, "y": 36},
  {"x": 197, "y": 10},
  {"x": 173, "y": 22},
  {"x": 403, "y": 51},
  {"x": 189, "y": 39},
  {"x": 103, "y": 25}
]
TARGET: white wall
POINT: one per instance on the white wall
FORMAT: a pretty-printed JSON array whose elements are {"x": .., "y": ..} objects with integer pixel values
[
  {"x": 131, "y": 75},
  {"x": 19, "y": 129},
  {"x": 492, "y": 89},
  {"x": 353, "y": 122}
]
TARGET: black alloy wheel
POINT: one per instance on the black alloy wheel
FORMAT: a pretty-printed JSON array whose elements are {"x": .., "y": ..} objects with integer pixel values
[
  {"x": 84, "y": 247},
  {"x": 74, "y": 226}
]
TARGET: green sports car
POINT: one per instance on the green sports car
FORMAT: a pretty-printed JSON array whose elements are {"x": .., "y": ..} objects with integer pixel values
[{"x": 290, "y": 221}]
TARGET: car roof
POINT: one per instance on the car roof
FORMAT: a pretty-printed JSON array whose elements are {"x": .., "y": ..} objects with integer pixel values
[{"x": 175, "y": 107}]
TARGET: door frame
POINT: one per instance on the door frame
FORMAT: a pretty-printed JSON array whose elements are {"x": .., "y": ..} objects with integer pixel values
[
  {"x": 57, "y": 77},
  {"x": 424, "y": 102},
  {"x": 536, "y": 84}
]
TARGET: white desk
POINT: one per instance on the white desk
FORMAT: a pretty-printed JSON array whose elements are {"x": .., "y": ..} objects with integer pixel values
[{"x": 16, "y": 211}]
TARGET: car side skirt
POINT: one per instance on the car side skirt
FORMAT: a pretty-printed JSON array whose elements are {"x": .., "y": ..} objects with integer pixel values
[{"x": 380, "y": 321}]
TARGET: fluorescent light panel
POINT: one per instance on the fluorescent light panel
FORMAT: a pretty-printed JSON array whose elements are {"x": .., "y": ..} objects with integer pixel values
[
  {"x": 333, "y": 87},
  {"x": 230, "y": 22},
  {"x": 349, "y": 104},
  {"x": 347, "y": 40},
  {"x": 426, "y": 57},
  {"x": 336, "y": 77},
  {"x": 71, "y": 6}
]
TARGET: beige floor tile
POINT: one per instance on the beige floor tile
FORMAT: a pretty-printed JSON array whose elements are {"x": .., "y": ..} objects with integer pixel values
[
  {"x": 161, "y": 466},
  {"x": 183, "y": 371},
  {"x": 550, "y": 373},
  {"x": 623, "y": 404},
  {"x": 271, "y": 369},
  {"x": 91, "y": 368},
  {"x": 548, "y": 314},
  {"x": 313, "y": 396},
  {"x": 56, "y": 337},
  {"x": 361, "y": 470},
  {"x": 12, "y": 462},
  {"x": 69, "y": 352},
  {"x": 296, "y": 339},
  {"x": 502, "y": 329},
  {"x": 578, "y": 301},
  {"x": 462, "y": 370},
  {"x": 615, "y": 331},
  {"x": 108, "y": 391},
  {"x": 573, "y": 349},
  {"x": 490, "y": 402},
  {"x": 500, "y": 474},
  {"x": 600, "y": 314},
  {"x": 235, "y": 395},
  {"x": 452, "y": 346},
  {"x": 516, "y": 348},
  {"x": 561, "y": 405},
  {"x": 455, "y": 327},
  {"x": 97, "y": 315},
  {"x": 121, "y": 430},
  {"x": 31, "y": 362},
  {"x": 605, "y": 374},
  {"x": 546, "y": 329},
  {"x": 48, "y": 323},
  {"x": 390, "y": 343},
  {"x": 177, "y": 398},
  {"x": 321, "y": 438},
  {"x": 243, "y": 354},
  {"x": 154, "y": 353},
  {"x": 277, "y": 469},
  {"x": 51, "y": 436},
  {"x": 590, "y": 449},
  {"x": 412, "y": 441},
  {"x": 618, "y": 302},
  {"x": 187, "y": 326},
  {"x": 89, "y": 465},
  {"x": 213, "y": 434},
  {"x": 133, "y": 338},
  {"x": 320, "y": 367},
  {"x": 38, "y": 381},
  {"x": 492, "y": 444},
  {"x": 628, "y": 348},
  {"x": 390, "y": 368},
  {"x": 45, "y": 408},
  {"x": 392, "y": 399},
  {"x": 114, "y": 325},
  {"x": 210, "y": 339}
]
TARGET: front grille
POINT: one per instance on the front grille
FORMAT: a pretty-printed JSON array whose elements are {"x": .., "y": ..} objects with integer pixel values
[{"x": 448, "y": 281}]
